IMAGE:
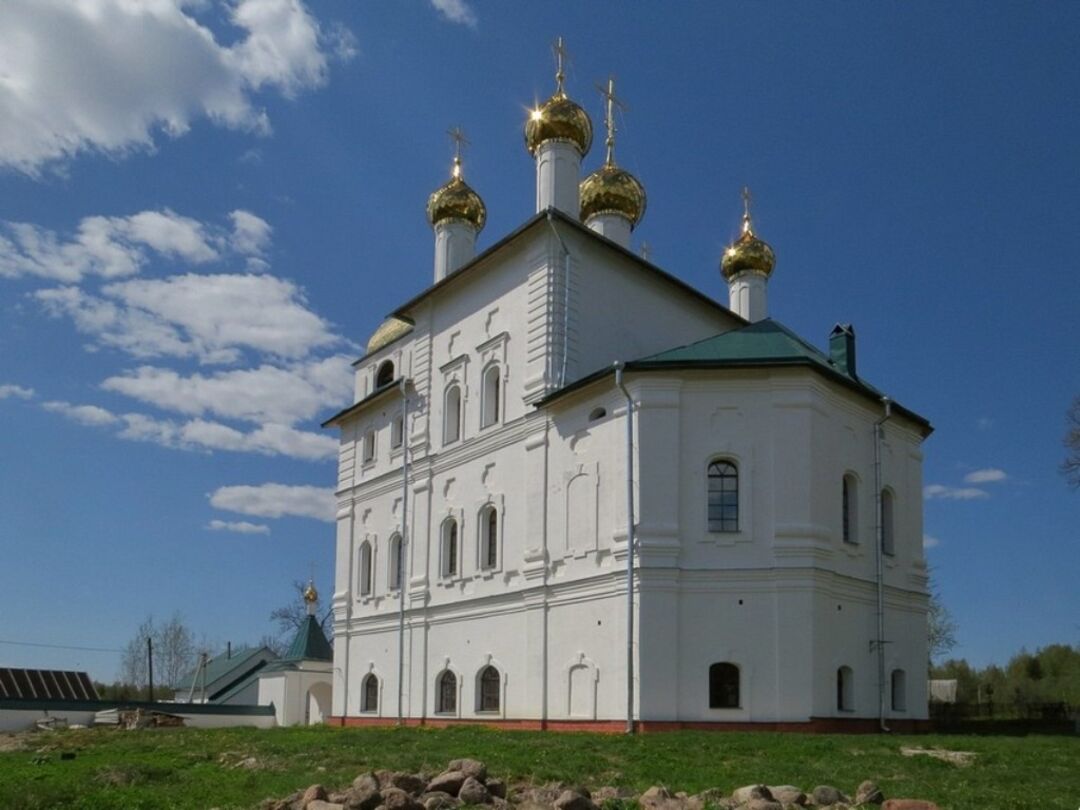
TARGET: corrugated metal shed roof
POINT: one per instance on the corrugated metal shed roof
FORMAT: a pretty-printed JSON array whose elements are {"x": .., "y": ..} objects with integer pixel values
[{"x": 52, "y": 684}]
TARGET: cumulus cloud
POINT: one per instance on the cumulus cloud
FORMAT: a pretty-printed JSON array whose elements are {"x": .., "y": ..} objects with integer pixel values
[
  {"x": 114, "y": 247},
  {"x": 16, "y": 391},
  {"x": 276, "y": 500},
  {"x": 456, "y": 11},
  {"x": 211, "y": 318},
  {"x": 941, "y": 491},
  {"x": 111, "y": 75},
  {"x": 989, "y": 475},
  {"x": 284, "y": 395},
  {"x": 83, "y": 414},
  {"x": 929, "y": 541},
  {"x": 238, "y": 526}
]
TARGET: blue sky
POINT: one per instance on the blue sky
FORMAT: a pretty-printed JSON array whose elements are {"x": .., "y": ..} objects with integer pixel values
[{"x": 207, "y": 207}]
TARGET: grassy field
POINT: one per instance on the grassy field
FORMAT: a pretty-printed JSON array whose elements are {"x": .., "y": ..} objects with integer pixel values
[{"x": 189, "y": 768}]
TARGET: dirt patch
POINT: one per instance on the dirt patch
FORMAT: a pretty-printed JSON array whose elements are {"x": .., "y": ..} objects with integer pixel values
[
  {"x": 959, "y": 758},
  {"x": 14, "y": 742}
]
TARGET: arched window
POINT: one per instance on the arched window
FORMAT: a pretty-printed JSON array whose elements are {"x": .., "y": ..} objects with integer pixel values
[
  {"x": 452, "y": 414},
  {"x": 489, "y": 406},
  {"x": 363, "y": 573},
  {"x": 446, "y": 693},
  {"x": 385, "y": 374},
  {"x": 723, "y": 686},
  {"x": 449, "y": 548},
  {"x": 394, "y": 574},
  {"x": 489, "y": 537},
  {"x": 888, "y": 538},
  {"x": 397, "y": 431},
  {"x": 850, "y": 509},
  {"x": 845, "y": 701},
  {"x": 490, "y": 687},
  {"x": 899, "y": 690},
  {"x": 369, "y": 693},
  {"x": 723, "y": 497}
]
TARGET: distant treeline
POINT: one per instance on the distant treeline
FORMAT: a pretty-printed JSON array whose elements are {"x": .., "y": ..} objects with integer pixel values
[{"x": 1050, "y": 675}]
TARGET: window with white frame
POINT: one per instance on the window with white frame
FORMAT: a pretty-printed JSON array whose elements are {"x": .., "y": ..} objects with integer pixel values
[
  {"x": 397, "y": 431},
  {"x": 452, "y": 414},
  {"x": 489, "y": 403},
  {"x": 369, "y": 446},
  {"x": 395, "y": 563},
  {"x": 489, "y": 536},
  {"x": 850, "y": 515},
  {"x": 888, "y": 537},
  {"x": 363, "y": 572},
  {"x": 723, "y": 493},
  {"x": 449, "y": 551},
  {"x": 489, "y": 688}
]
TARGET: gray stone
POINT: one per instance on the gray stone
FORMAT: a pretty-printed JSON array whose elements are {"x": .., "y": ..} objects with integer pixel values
[
  {"x": 438, "y": 800},
  {"x": 319, "y": 804},
  {"x": 411, "y": 783},
  {"x": 313, "y": 793},
  {"x": 364, "y": 797},
  {"x": 572, "y": 800},
  {"x": 608, "y": 793},
  {"x": 470, "y": 767},
  {"x": 532, "y": 804},
  {"x": 447, "y": 782},
  {"x": 764, "y": 804},
  {"x": 497, "y": 788},
  {"x": 827, "y": 794},
  {"x": 788, "y": 794},
  {"x": 366, "y": 781},
  {"x": 473, "y": 791},
  {"x": 869, "y": 793},
  {"x": 397, "y": 799},
  {"x": 745, "y": 795}
]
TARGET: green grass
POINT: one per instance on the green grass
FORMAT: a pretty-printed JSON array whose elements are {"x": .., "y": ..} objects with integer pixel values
[{"x": 190, "y": 768}]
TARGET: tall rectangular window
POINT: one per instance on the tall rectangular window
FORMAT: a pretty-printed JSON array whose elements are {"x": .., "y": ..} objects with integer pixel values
[{"x": 723, "y": 497}]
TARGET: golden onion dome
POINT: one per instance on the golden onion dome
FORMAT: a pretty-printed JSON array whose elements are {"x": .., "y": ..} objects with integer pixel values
[
  {"x": 455, "y": 199},
  {"x": 747, "y": 252},
  {"x": 611, "y": 190},
  {"x": 310, "y": 594},
  {"x": 558, "y": 119},
  {"x": 389, "y": 330}
]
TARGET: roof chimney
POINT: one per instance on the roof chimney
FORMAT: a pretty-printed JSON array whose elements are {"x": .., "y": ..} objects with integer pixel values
[{"x": 842, "y": 348}]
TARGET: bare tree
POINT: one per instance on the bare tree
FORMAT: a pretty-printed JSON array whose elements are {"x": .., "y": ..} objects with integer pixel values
[
  {"x": 133, "y": 663},
  {"x": 174, "y": 653},
  {"x": 1070, "y": 467},
  {"x": 940, "y": 627}
]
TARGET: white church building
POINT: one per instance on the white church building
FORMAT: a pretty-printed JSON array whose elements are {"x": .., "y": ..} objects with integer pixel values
[{"x": 575, "y": 492}]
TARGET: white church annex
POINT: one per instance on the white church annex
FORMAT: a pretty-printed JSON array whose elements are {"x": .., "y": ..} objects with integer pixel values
[{"x": 491, "y": 473}]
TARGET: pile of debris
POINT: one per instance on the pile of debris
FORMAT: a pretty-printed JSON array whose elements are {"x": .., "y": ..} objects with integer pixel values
[{"x": 465, "y": 782}]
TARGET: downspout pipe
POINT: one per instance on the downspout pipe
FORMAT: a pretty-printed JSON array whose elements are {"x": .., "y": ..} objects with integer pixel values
[
  {"x": 619, "y": 366},
  {"x": 402, "y": 548},
  {"x": 879, "y": 534},
  {"x": 566, "y": 298}
]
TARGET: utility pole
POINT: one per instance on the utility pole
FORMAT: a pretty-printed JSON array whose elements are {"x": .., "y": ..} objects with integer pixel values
[{"x": 150, "y": 665}]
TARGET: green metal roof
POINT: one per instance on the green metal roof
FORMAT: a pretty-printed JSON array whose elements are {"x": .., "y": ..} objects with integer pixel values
[
  {"x": 223, "y": 666},
  {"x": 310, "y": 643}
]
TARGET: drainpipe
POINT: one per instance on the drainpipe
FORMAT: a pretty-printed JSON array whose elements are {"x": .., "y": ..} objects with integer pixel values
[
  {"x": 879, "y": 534},
  {"x": 402, "y": 546},
  {"x": 629, "y": 547},
  {"x": 566, "y": 298}
]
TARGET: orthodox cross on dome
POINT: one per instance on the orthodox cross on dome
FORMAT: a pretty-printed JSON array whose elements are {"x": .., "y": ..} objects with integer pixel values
[
  {"x": 559, "y": 49},
  {"x": 457, "y": 135},
  {"x": 746, "y": 209},
  {"x": 611, "y": 101}
]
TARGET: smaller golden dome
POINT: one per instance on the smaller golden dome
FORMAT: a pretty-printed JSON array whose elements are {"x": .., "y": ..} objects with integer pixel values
[
  {"x": 310, "y": 594},
  {"x": 747, "y": 252},
  {"x": 611, "y": 190},
  {"x": 454, "y": 199},
  {"x": 389, "y": 330},
  {"x": 558, "y": 119}
]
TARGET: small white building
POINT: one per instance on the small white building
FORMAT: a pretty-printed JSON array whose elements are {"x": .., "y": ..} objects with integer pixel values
[{"x": 554, "y": 395}]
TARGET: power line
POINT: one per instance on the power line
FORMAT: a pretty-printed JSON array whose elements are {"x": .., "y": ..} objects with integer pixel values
[{"x": 59, "y": 646}]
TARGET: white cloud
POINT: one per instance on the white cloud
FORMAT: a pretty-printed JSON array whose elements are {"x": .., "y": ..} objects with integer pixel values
[
  {"x": 264, "y": 394},
  {"x": 238, "y": 526},
  {"x": 988, "y": 475},
  {"x": 110, "y": 75},
  {"x": 929, "y": 541},
  {"x": 209, "y": 317},
  {"x": 456, "y": 11},
  {"x": 114, "y": 247},
  {"x": 83, "y": 414},
  {"x": 17, "y": 391},
  {"x": 940, "y": 491},
  {"x": 276, "y": 500}
]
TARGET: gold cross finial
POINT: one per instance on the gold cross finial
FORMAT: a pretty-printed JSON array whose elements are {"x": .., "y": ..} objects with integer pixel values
[
  {"x": 746, "y": 209},
  {"x": 457, "y": 135},
  {"x": 560, "y": 56},
  {"x": 611, "y": 101}
]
